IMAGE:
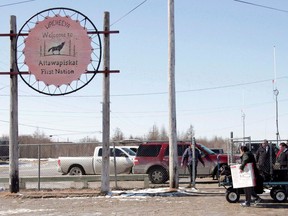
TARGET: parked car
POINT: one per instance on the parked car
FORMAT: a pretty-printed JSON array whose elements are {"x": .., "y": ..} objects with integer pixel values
[
  {"x": 93, "y": 165},
  {"x": 153, "y": 158},
  {"x": 4, "y": 150}
]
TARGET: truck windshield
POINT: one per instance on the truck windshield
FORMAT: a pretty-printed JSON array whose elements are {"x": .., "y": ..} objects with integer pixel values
[{"x": 129, "y": 151}]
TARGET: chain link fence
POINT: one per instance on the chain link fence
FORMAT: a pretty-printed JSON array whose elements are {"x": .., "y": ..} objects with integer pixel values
[{"x": 41, "y": 160}]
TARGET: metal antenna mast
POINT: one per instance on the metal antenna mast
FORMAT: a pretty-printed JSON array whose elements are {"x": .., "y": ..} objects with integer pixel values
[
  {"x": 243, "y": 122},
  {"x": 276, "y": 93},
  {"x": 243, "y": 118}
]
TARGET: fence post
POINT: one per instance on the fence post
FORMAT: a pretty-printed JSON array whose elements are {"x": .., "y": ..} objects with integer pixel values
[
  {"x": 271, "y": 159},
  {"x": 115, "y": 165},
  {"x": 39, "y": 166},
  {"x": 193, "y": 162},
  {"x": 231, "y": 148}
]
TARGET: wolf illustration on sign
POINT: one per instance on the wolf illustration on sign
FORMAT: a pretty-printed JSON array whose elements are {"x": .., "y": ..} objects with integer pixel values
[{"x": 56, "y": 48}]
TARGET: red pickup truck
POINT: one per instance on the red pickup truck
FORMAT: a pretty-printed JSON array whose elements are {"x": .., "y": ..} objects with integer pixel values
[{"x": 153, "y": 158}]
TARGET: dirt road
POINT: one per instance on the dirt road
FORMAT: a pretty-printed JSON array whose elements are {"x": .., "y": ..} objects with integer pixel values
[{"x": 207, "y": 200}]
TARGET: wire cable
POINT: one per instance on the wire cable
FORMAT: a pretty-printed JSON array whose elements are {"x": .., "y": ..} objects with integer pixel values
[
  {"x": 263, "y": 6},
  {"x": 199, "y": 89},
  {"x": 53, "y": 129},
  {"x": 16, "y": 3},
  {"x": 163, "y": 93},
  {"x": 128, "y": 12}
]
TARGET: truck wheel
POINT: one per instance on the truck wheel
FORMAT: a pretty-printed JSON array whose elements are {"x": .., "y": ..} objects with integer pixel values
[
  {"x": 158, "y": 175},
  {"x": 76, "y": 170}
]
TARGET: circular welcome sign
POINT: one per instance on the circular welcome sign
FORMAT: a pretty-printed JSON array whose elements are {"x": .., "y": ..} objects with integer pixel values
[{"x": 58, "y": 51}]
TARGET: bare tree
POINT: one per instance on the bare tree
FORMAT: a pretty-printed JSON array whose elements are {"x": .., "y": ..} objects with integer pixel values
[
  {"x": 41, "y": 137},
  {"x": 4, "y": 138},
  {"x": 38, "y": 137},
  {"x": 215, "y": 142},
  {"x": 153, "y": 133},
  {"x": 118, "y": 135},
  {"x": 89, "y": 140},
  {"x": 163, "y": 134},
  {"x": 187, "y": 135}
]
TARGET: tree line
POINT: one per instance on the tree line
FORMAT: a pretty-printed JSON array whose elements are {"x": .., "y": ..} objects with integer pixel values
[{"x": 29, "y": 144}]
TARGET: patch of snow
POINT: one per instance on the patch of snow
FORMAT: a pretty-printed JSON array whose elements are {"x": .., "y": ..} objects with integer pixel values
[
  {"x": 154, "y": 192},
  {"x": 21, "y": 210}
]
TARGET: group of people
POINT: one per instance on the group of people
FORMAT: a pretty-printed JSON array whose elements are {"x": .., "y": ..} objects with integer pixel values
[{"x": 263, "y": 163}]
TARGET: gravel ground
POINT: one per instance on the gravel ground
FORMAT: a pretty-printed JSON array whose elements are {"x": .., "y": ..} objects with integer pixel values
[{"x": 208, "y": 199}]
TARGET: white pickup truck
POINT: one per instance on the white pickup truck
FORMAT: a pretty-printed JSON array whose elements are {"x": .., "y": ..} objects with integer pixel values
[{"x": 93, "y": 165}]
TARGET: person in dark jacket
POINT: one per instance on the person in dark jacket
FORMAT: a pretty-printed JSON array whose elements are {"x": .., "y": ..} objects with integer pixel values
[
  {"x": 283, "y": 157},
  {"x": 264, "y": 159},
  {"x": 187, "y": 158},
  {"x": 248, "y": 157}
]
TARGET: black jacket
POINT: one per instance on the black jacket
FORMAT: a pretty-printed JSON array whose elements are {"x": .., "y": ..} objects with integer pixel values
[
  {"x": 283, "y": 158},
  {"x": 246, "y": 158},
  {"x": 263, "y": 158}
]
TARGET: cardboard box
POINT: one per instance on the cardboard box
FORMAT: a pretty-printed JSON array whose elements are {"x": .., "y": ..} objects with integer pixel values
[{"x": 245, "y": 178}]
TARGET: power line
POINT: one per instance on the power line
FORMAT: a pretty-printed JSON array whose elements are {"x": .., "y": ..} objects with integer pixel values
[
  {"x": 227, "y": 86},
  {"x": 201, "y": 89},
  {"x": 128, "y": 12},
  {"x": 263, "y": 6},
  {"x": 15, "y": 3},
  {"x": 162, "y": 93},
  {"x": 54, "y": 129}
]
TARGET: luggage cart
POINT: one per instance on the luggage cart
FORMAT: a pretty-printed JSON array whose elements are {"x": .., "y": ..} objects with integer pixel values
[{"x": 278, "y": 186}]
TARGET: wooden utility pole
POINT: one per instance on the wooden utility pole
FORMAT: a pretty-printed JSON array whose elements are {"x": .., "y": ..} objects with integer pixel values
[
  {"x": 173, "y": 154},
  {"x": 13, "y": 138},
  {"x": 105, "y": 178},
  {"x": 194, "y": 162}
]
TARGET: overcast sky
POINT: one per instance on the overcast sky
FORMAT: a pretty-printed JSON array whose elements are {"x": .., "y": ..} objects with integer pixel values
[{"x": 227, "y": 55}]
